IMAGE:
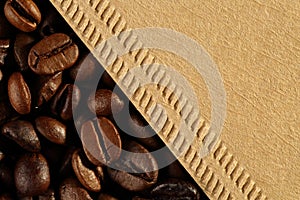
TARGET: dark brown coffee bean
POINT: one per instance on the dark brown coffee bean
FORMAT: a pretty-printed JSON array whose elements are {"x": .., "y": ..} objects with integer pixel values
[
  {"x": 142, "y": 131},
  {"x": 32, "y": 175},
  {"x": 175, "y": 189},
  {"x": 85, "y": 69},
  {"x": 53, "y": 54},
  {"x": 101, "y": 141},
  {"x": 6, "y": 176},
  {"x": 65, "y": 167},
  {"x": 23, "y": 14},
  {"x": 1, "y": 75},
  {"x": 107, "y": 80},
  {"x": 47, "y": 87},
  {"x": 66, "y": 99},
  {"x": 4, "y": 46},
  {"x": 19, "y": 93},
  {"x": 175, "y": 170},
  {"x": 48, "y": 195},
  {"x": 51, "y": 129},
  {"x": 87, "y": 176},
  {"x": 6, "y": 197},
  {"x": 71, "y": 189},
  {"x": 22, "y": 46},
  {"x": 103, "y": 101},
  {"x": 104, "y": 196},
  {"x": 23, "y": 133},
  {"x": 136, "y": 172},
  {"x": 1, "y": 155}
]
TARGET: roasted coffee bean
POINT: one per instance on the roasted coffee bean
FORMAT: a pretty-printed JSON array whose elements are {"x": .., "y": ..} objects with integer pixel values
[
  {"x": 104, "y": 196},
  {"x": 66, "y": 99},
  {"x": 23, "y": 133},
  {"x": 88, "y": 177},
  {"x": 1, "y": 155},
  {"x": 4, "y": 46},
  {"x": 175, "y": 170},
  {"x": 1, "y": 75},
  {"x": 71, "y": 189},
  {"x": 85, "y": 69},
  {"x": 48, "y": 195},
  {"x": 53, "y": 54},
  {"x": 101, "y": 141},
  {"x": 142, "y": 131},
  {"x": 6, "y": 197},
  {"x": 104, "y": 102},
  {"x": 22, "y": 46},
  {"x": 6, "y": 176},
  {"x": 19, "y": 93},
  {"x": 23, "y": 14},
  {"x": 65, "y": 167},
  {"x": 136, "y": 171},
  {"x": 32, "y": 175},
  {"x": 107, "y": 80},
  {"x": 47, "y": 87},
  {"x": 51, "y": 129},
  {"x": 175, "y": 189}
]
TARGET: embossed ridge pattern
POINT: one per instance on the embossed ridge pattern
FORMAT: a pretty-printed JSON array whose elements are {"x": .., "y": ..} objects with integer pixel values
[{"x": 106, "y": 21}]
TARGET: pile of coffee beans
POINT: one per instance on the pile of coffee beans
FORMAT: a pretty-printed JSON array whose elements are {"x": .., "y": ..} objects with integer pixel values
[{"x": 49, "y": 152}]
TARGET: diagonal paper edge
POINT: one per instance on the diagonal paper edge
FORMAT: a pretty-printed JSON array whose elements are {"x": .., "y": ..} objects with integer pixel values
[{"x": 223, "y": 177}]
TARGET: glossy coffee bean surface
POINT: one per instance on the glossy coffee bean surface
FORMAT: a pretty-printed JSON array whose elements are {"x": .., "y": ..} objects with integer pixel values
[
  {"x": 19, "y": 93},
  {"x": 32, "y": 175},
  {"x": 23, "y": 14},
  {"x": 53, "y": 54}
]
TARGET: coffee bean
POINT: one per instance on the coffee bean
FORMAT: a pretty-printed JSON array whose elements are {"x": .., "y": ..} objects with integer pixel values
[
  {"x": 48, "y": 195},
  {"x": 47, "y": 86},
  {"x": 53, "y": 54},
  {"x": 23, "y": 14},
  {"x": 6, "y": 177},
  {"x": 6, "y": 197},
  {"x": 103, "y": 101},
  {"x": 23, "y": 133},
  {"x": 19, "y": 94},
  {"x": 1, "y": 75},
  {"x": 66, "y": 99},
  {"x": 104, "y": 196},
  {"x": 4, "y": 46},
  {"x": 87, "y": 176},
  {"x": 107, "y": 80},
  {"x": 1, "y": 155},
  {"x": 85, "y": 69},
  {"x": 32, "y": 175},
  {"x": 142, "y": 131},
  {"x": 175, "y": 189},
  {"x": 22, "y": 46},
  {"x": 51, "y": 129},
  {"x": 137, "y": 171},
  {"x": 101, "y": 141},
  {"x": 71, "y": 189}
]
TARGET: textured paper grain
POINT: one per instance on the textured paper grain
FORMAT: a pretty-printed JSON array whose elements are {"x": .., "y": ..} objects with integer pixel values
[{"x": 256, "y": 46}]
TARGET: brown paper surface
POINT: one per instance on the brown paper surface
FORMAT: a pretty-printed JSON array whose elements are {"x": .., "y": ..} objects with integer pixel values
[{"x": 256, "y": 48}]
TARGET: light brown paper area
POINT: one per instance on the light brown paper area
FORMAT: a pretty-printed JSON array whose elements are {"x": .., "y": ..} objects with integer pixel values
[{"x": 256, "y": 46}]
